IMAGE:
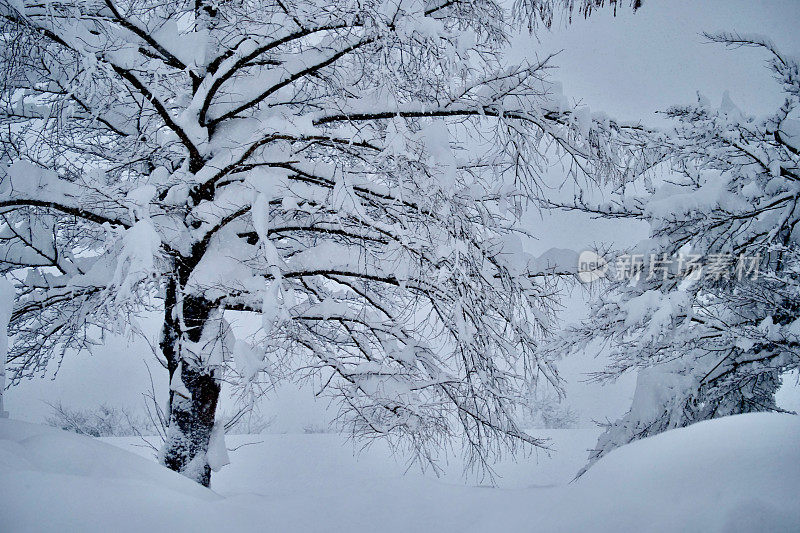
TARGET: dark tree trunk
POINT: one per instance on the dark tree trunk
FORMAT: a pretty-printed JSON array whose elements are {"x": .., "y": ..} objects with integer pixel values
[
  {"x": 170, "y": 333},
  {"x": 191, "y": 416},
  {"x": 190, "y": 425}
]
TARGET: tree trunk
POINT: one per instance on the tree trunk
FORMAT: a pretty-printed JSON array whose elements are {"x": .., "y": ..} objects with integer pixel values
[
  {"x": 193, "y": 394},
  {"x": 190, "y": 425}
]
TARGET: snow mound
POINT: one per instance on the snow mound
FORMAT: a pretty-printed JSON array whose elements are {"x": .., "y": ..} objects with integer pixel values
[
  {"x": 52, "y": 480},
  {"x": 739, "y": 473}
]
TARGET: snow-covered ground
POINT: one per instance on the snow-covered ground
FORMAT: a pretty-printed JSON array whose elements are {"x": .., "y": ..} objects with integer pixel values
[{"x": 739, "y": 473}]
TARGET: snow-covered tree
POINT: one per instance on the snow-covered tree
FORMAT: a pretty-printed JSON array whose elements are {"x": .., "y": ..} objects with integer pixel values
[
  {"x": 707, "y": 309},
  {"x": 351, "y": 172}
]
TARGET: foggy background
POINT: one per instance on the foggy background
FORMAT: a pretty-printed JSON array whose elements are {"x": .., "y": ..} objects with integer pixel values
[{"x": 628, "y": 66}]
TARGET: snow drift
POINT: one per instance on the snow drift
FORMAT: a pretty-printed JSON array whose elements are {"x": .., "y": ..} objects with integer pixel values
[{"x": 739, "y": 473}]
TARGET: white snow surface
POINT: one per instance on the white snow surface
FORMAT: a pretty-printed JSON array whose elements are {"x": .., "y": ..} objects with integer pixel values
[{"x": 739, "y": 473}]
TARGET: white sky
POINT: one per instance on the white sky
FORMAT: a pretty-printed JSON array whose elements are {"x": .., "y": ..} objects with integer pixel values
[
  {"x": 634, "y": 64},
  {"x": 628, "y": 66}
]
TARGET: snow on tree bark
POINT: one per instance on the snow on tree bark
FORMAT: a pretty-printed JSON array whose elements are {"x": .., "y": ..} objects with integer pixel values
[{"x": 194, "y": 393}]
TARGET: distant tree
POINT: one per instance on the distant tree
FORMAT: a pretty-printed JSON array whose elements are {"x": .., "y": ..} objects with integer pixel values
[
  {"x": 708, "y": 308},
  {"x": 351, "y": 172},
  {"x": 102, "y": 421},
  {"x": 548, "y": 411}
]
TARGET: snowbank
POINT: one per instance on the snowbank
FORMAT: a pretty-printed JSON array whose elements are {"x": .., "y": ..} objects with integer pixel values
[
  {"x": 741, "y": 473},
  {"x": 52, "y": 480}
]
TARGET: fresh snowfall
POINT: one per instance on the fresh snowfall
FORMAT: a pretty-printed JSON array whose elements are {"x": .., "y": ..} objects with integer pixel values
[{"x": 399, "y": 265}]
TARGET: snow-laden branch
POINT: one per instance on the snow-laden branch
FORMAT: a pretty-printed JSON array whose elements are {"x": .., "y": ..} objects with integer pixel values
[
  {"x": 706, "y": 309},
  {"x": 354, "y": 175}
]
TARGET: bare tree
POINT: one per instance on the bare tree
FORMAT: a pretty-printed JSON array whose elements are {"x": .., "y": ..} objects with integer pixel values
[{"x": 351, "y": 172}]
